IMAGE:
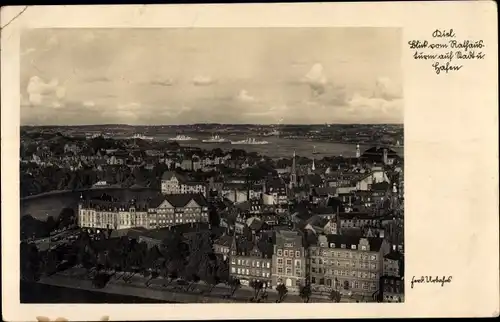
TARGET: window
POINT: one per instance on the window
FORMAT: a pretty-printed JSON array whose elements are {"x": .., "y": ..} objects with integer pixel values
[
  {"x": 280, "y": 270},
  {"x": 363, "y": 247},
  {"x": 320, "y": 261},
  {"x": 258, "y": 263},
  {"x": 353, "y": 246},
  {"x": 313, "y": 260},
  {"x": 253, "y": 263},
  {"x": 280, "y": 261},
  {"x": 239, "y": 261},
  {"x": 313, "y": 280},
  {"x": 313, "y": 269},
  {"x": 268, "y": 265},
  {"x": 373, "y": 257},
  {"x": 342, "y": 246},
  {"x": 297, "y": 254},
  {"x": 280, "y": 252},
  {"x": 289, "y": 262},
  {"x": 239, "y": 270},
  {"x": 286, "y": 253},
  {"x": 233, "y": 270},
  {"x": 288, "y": 271}
]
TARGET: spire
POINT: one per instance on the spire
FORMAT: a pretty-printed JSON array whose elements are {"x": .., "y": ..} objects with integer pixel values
[
  {"x": 313, "y": 166},
  {"x": 293, "y": 176},
  {"x": 358, "y": 152}
]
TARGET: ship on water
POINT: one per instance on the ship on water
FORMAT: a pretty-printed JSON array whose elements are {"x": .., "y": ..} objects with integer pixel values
[
  {"x": 182, "y": 138},
  {"x": 142, "y": 137},
  {"x": 251, "y": 141},
  {"x": 215, "y": 139},
  {"x": 90, "y": 136},
  {"x": 314, "y": 150}
]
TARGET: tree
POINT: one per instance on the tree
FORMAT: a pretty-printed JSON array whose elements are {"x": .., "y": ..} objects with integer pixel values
[
  {"x": 51, "y": 224},
  {"x": 235, "y": 284},
  {"x": 305, "y": 292},
  {"x": 30, "y": 262},
  {"x": 282, "y": 292},
  {"x": 223, "y": 270},
  {"x": 257, "y": 286},
  {"x": 335, "y": 296},
  {"x": 213, "y": 281},
  {"x": 193, "y": 278},
  {"x": 50, "y": 266}
]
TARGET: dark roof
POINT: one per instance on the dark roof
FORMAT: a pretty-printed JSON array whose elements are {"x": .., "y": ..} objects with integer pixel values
[
  {"x": 381, "y": 186},
  {"x": 224, "y": 240},
  {"x": 168, "y": 175},
  {"x": 323, "y": 211},
  {"x": 324, "y": 191},
  {"x": 179, "y": 200},
  {"x": 313, "y": 179},
  {"x": 339, "y": 240},
  {"x": 394, "y": 256}
]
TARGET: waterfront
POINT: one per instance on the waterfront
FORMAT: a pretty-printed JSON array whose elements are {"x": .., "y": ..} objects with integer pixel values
[
  {"x": 277, "y": 147},
  {"x": 45, "y": 205},
  {"x": 44, "y": 293}
]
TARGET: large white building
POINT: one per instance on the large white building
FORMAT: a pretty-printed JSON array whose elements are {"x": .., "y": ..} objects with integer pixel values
[
  {"x": 164, "y": 211},
  {"x": 174, "y": 183}
]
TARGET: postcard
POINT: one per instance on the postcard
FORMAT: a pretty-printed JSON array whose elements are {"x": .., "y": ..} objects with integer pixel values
[{"x": 243, "y": 161}]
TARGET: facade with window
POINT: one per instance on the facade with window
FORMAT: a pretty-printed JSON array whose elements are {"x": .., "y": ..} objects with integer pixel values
[
  {"x": 289, "y": 265},
  {"x": 176, "y": 209},
  {"x": 164, "y": 211},
  {"x": 174, "y": 183},
  {"x": 250, "y": 260},
  {"x": 96, "y": 214},
  {"x": 349, "y": 264}
]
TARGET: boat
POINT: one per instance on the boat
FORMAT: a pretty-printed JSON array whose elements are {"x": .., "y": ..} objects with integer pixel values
[
  {"x": 215, "y": 139},
  {"x": 314, "y": 150},
  {"x": 93, "y": 135},
  {"x": 273, "y": 133},
  {"x": 249, "y": 141},
  {"x": 182, "y": 138},
  {"x": 142, "y": 137}
]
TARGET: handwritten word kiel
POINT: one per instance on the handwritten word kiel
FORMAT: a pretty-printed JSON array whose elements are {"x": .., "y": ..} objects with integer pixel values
[{"x": 431, "y": 280}]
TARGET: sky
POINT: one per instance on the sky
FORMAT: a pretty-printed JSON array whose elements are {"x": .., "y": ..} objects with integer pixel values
[{"x": 211, "y": 75}]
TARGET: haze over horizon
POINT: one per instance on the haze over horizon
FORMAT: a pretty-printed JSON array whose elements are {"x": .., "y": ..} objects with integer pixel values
[{"x": 210, "y": 75}]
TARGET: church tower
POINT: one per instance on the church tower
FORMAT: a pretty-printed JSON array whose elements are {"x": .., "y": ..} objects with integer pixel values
[{"x": 293, "y": 174}]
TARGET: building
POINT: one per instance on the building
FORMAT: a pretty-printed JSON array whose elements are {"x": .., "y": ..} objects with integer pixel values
[
  {"x": 97, "y": 214},
  {"x": 392, "y": 289},
  {"x": 392, "y": 262},
  {"x": 289, "y": 264},
  {"x": 164, "y": 211},
  {"x": 251, "y": 260},
  {"x": 174, "y": 183},
  {"x": 349, "y": 264},
  {"x": 222, "y": 245},
  {"x": 275, "y": 192},
  {"x": 376, "y": 175},
  {"x": 176, "y": 209}
]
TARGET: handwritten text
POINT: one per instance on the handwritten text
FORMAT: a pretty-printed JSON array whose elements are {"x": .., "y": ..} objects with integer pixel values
[{"x": 445, "y": 53}]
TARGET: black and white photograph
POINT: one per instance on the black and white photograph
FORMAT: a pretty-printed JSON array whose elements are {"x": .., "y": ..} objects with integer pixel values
[{"x": 211, "y": 165}]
